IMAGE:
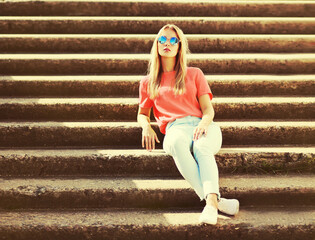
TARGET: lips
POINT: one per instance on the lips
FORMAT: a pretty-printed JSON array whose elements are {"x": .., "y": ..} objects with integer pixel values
[{"x": 166, "y": 49}]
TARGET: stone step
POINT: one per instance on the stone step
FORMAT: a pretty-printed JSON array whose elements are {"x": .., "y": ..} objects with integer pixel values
[
  {"x": 128, "y": 43},
  {"x": 250, "y": 190},
  {"x": 111, "y": 85},
  {"x": 118, "y": 134},
  {"x": 78, "y": 64},
  {"x": 159, "y": 8},
  {"x": 94, "y": 109},
  {"x": 151, "y": 25},
  {"x": 141, "y": 163},
  {"x": 251, "y": 223}
]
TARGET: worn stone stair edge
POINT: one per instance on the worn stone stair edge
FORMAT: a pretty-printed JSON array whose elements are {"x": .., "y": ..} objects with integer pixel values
[
  {"x": 113, "y": 85},
  {"x": 48, "y": 134},
  {"x": 130, "y": 78},
  {"x": 126, "y": 56},
  {"x": 126, "y": 108},
  {"x": 132, "y": 101},
  {"x": 158, "y": 8},
  {"x": 133, "y": 124},
  {"x": 63, "y": 64},
  {"x": 130, "y": 43},
  {"x": 151, "y": 193},
  {"x": 262, "y": 223},
  {"x": 162, "y": 18},
  {"x": 151, "y": 37},
  {"x": 165, "y": 217},
  {"x": 114, "y": 152},
  {"x": 151, "y": 25},
  {"x": 123, "y": 162}
]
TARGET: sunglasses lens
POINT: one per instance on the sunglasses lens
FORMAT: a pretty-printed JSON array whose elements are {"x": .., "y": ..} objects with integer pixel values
[
  {"x": 174, "y": 41},
  {"x": 162, "y": 39}
]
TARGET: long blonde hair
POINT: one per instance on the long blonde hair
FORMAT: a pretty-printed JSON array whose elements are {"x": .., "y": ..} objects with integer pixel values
[{"x": 155, "y": 68}]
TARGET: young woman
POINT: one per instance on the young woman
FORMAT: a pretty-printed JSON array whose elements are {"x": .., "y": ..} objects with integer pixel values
[{"x": 180, "y": 97}]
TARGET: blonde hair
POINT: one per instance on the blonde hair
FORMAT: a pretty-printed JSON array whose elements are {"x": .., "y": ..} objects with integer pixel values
[{"x": 155, "y": 68}]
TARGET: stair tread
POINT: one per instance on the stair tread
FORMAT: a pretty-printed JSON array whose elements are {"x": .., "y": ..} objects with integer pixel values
[
  {"x": 124, "y": 109},
  {"x": 140, "y": 192},
  {"x": 142, "y": 43},
  {"x": 63, "y": 64},
  {"x": 131, "y": 78},
  {"x": 152, "y": 36},
  {"x": 240, "y": 183},
  {"x": 161, "y": 18},
  {"x": 247, "y": 217},
  {"x": 142, "y": 152},
  {"x": 45, "y": 162},
  {"x": 133, "y": 101},
  {"x": 100, "y": 133},
  {"x": 125, "y": 24},
  {"x": 95, "y": 124},
  {"x": 156, "y": 8},
  {"x": 142, "y": 56}
]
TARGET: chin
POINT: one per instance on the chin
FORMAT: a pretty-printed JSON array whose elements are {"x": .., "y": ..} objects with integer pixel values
[{"x": 168, "y": 55}]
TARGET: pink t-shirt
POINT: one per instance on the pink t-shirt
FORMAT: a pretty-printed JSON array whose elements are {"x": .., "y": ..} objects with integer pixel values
[{"x": 167, "y": 107}]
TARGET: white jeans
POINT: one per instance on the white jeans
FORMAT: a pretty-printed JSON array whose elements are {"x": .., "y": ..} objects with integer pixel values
[{"x": 195, "y": 160}]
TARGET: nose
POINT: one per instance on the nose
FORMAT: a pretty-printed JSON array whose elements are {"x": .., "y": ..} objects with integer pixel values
[{"x": 167, "y": 43}]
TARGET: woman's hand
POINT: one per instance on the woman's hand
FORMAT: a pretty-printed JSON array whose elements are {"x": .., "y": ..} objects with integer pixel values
[
  {"x": 201, "y": 129},
  {"x": 207, "y": 118},
  {"x": 148, "y": 138},
  {"x": 148, "y": 135}
]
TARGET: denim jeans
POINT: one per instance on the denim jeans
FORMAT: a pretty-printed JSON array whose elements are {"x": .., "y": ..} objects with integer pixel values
[{"x": 195, "y": 159}]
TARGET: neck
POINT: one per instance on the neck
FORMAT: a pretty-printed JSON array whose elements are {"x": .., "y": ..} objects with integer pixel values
[{"x": 168, "y": 64}]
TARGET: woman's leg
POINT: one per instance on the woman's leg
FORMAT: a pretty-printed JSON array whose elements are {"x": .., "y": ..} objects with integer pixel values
[
  {"x": 178, "y": 143},
  {"x": 204, "y": 150}
]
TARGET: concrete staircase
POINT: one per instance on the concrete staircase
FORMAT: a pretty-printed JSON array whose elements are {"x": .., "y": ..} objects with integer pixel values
[{"x": 71, "y": 162}]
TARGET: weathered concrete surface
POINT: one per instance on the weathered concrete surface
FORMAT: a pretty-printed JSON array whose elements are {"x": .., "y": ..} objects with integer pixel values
[
  {"x": 159, "y": 8},
  {"x": 78, "y": 64},
  {"x": 113, "y": 109},
  {"x": 151, "y": 25},
  {"x": 261, "y": 85},
  {"x": 92, "y": 86},
  {"x": 110, "y": 109},
  {"x": 128, "y": 86},
  {"x": 128, "y": 43},
  {"x": 151, "y": 193},
  {"x": 125, "y": 162},
  {"x": 264, "y": 108},
  {"x": 99, "y": 134},
  {"x": 250, "y": 224}
]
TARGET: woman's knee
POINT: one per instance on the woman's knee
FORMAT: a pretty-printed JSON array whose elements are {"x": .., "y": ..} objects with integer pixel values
[{"x": 211, "y": 143}]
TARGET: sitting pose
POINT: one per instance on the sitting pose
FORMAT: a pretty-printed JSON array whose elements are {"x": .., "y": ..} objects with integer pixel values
[{"x": 181, "y": 101}]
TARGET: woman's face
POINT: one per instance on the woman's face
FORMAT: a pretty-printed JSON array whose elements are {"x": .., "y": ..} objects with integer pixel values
[{"x": 167, "y": 49}]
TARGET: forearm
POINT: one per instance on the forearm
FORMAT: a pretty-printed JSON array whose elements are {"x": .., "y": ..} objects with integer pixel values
[{"x": 208, "y": 116}]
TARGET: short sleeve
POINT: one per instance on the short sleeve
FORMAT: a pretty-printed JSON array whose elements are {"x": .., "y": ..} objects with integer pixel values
[
  {"x": 202, "y": 85},
  {"x": 144, "y": 99}
]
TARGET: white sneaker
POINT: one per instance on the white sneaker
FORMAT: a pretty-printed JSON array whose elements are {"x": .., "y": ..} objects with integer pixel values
[
  {"x": 209, "y": 215},
  {"x": 229, "y": 206}
]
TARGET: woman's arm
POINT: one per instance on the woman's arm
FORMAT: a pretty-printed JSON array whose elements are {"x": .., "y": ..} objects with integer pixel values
[
  {"x": 207, "y": 118},
  {"x": 148, "y": 134}
]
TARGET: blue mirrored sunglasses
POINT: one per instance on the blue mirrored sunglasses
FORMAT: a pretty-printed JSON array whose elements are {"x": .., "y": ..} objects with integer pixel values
[{"x": 173, "y": 40}]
